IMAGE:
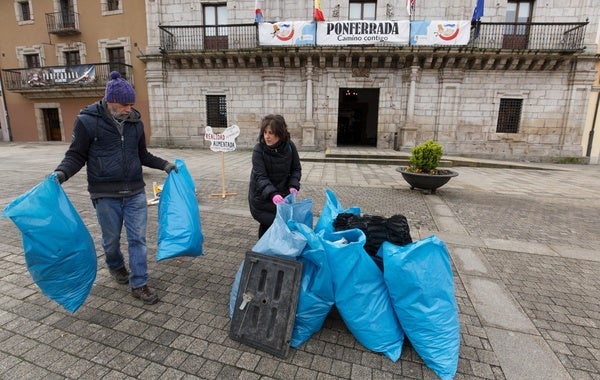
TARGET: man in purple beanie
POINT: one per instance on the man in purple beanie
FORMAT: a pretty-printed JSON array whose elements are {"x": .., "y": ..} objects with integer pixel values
[{"x": 108, "y": 137}]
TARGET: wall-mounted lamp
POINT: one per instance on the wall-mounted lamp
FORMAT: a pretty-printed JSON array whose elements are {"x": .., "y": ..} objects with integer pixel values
[{"x": 336, "y": 11}]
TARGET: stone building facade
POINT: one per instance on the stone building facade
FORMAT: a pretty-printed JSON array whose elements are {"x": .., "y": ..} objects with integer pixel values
[{"x": 381, "y": 96}]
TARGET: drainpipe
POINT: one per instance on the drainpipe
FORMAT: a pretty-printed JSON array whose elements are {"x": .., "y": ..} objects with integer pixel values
[
  {"x": 591, "y": 135},
  {"x": 5, "y": 109}
]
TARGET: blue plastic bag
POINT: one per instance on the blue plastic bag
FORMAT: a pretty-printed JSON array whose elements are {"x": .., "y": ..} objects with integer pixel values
[
  {"x": 420, "y": 282},
  {"x": 331, "y": 209},
  {"x": 361, "y": 295},
  {"x": 316, "y": 297},
  {"x": 179, "y": 226},
  {"x": 59, "y": 250},
  {"x": 279, "y": 240}
]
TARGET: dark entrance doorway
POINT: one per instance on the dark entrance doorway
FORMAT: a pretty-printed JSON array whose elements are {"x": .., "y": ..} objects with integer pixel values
[
  {"x": 357, "y": 116},
  {"x": 52, "y": 124}
]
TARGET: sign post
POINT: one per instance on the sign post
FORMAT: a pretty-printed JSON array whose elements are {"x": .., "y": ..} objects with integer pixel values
[{"x": 222, "y": 142}]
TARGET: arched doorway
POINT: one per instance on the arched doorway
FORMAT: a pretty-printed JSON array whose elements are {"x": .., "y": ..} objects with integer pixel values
[{"x": 357, "y": 116}]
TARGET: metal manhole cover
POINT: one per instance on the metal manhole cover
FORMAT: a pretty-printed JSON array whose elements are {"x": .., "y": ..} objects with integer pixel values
[{"x": 265, "y": 308}]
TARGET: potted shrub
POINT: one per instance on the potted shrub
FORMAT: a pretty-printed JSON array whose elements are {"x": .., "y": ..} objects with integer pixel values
[{"x": 423, "y": 172}]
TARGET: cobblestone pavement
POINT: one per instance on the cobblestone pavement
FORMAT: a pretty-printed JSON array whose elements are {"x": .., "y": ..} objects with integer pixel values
[{"x": 524, "y": 246}]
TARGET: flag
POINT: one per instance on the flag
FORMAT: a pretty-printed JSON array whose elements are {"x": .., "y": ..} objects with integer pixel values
[
  {"x": 258, "y": 16},
  {"x": 478, "y": 11},
  {"x": 318, "y": 12},
  {"x": 410, "y": 7}
]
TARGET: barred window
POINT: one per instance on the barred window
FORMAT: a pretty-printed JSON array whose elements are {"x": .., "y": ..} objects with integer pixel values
[
  {"x": 509, "y": 115},
  {"x": 216, "y": 111},
  {"x": 112, "y": 5},
  {"x": 25, "y": 11}
]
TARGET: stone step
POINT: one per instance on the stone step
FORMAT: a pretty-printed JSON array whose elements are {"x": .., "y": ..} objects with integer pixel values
[{"x": 393, "y": 157}]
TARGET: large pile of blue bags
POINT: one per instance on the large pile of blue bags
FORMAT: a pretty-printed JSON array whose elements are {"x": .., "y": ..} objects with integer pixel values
[{"x": 392, "y": 289}]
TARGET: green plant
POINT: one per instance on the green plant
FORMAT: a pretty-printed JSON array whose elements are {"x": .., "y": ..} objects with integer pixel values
[{"x": 425, "y": 157}]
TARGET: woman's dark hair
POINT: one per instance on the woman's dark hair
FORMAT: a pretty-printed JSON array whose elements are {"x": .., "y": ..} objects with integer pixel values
[{"x": 278, "y": 126}]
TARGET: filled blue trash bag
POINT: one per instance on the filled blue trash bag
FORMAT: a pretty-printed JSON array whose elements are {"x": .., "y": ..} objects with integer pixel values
[
  {"x": 331, "y": 209},
  {"x": 316, "y": 297},
  {"x": 361, "y": 295},
  {"x": 420, "y": 282},
  {"x": 279, "y": 240},
  {"x": 59, "y": 250},
  {"x": 179, "y": 225}
]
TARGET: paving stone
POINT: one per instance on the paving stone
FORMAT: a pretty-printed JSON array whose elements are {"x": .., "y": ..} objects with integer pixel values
[{"x": 546, "y": 264}]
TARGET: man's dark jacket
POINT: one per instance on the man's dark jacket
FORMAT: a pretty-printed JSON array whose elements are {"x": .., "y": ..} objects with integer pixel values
[{"x": 114, "y": 157}]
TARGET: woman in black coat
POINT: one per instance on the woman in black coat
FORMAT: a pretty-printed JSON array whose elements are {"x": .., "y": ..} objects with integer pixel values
[{"x": 276, "y": 171}]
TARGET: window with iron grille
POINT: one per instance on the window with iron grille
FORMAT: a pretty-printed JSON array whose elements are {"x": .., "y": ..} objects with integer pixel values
[
  {"x": 25, "y": 11},
  {"x": 112, "y": 5},
  {"x": 362, "y": 10},
  {"x": 32, "y": 60},
  {"x": 216, "y": 111},
  {"x": 509, "y": 115}
]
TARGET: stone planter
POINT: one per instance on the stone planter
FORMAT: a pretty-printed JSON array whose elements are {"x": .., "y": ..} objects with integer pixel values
[{"x": 426, "y": 181}]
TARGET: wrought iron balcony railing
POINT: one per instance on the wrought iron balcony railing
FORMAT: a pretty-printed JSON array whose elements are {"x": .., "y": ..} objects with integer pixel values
[
  {"x": 551, "y": 37},
  {"x": 564, "y": 37},
  {"x": 62, "y": 77},
  {"x": 203, "y": 37},
  {"x": 65, "y": 22}
]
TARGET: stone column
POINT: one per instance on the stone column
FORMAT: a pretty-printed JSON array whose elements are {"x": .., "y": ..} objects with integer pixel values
[
  {"x": 309, "y": 127},
  {"x": 408, "y": 132}
]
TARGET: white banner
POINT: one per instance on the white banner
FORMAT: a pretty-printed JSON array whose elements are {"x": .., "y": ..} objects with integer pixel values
[
  {"x": 361, "y": 32},
  {"x": 438, "y": 32},
  {"x": 286, "y": 33}
]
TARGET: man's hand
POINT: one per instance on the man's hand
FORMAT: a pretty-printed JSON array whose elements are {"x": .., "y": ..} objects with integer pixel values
[
  {"x": 278, "y": 199},
  {"x": 60, "y": 176},
  {"x": 170, "y": 166}
]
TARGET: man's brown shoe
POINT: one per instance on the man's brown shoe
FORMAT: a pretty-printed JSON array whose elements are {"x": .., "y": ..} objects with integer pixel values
[
  {"x": 120, "y": 275},
  {"x": 145, "y": 294}
]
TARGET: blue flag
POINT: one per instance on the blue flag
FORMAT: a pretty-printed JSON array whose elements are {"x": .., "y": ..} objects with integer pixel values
[{"x": 478, "y": 11}]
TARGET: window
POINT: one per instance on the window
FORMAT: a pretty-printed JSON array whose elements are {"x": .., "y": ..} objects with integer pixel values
[
  {"x": 67, "y": 14},
  {"x": 116, "y": 59},
  {"x": 112, "y": 5},
  {"x": 518, "y": 11},
  {"x": 362, "y": 10},
  {"x": 216, "y": 111},
  {"x": 23, "y": 12},
  {"x": 215, "y": 37},
  {"x": 72, "y": 58},
  {"x": 509, "y": 115},
  {"x": 516, "y": 36},
  {"x": 32, "y": 60}
]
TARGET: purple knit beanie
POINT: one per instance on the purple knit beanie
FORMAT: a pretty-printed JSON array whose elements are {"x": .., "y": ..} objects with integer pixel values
[{"x": 118, "y": 90}]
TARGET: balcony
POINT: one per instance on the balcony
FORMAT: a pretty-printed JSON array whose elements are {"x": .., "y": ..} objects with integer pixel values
[
  {"x": 63, "y": 81},
  {"x": 63, "y": 23},
  {"x": 190, "y": 38},
  {"x": 529, "y": 37},
  {"x": 495, "y": 46}
]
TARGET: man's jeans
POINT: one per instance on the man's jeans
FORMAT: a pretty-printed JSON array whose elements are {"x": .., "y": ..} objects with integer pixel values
[{"x": 133, "y": 211}]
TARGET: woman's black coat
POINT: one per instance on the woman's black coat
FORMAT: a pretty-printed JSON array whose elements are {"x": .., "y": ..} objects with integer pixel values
[{"x": 274, "y": 171}]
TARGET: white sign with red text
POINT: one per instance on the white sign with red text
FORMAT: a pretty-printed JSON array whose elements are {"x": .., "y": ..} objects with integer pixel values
[{"x": 222, "y": 142}]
